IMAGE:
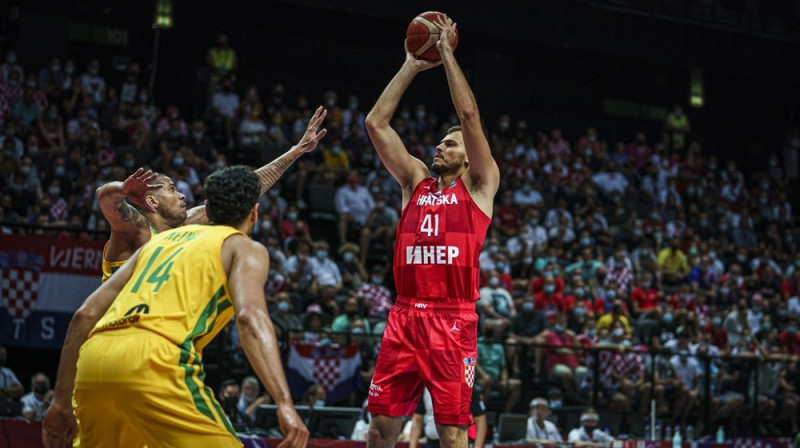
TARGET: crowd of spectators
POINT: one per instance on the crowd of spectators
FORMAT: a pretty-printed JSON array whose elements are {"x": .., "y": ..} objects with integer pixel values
[{"x": 641, "y": 247}]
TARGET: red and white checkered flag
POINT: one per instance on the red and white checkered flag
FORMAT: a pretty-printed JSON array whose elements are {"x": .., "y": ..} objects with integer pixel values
[
  {"x": 19, "y": 288},
  {"x": 327, "y": 372}
]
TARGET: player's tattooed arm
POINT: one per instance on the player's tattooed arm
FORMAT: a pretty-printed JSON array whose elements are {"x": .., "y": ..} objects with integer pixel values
[
  {"x": 270, "y": 173},
  {"x": 129, "y": 214},
  {"x": 111, "y": 197}
]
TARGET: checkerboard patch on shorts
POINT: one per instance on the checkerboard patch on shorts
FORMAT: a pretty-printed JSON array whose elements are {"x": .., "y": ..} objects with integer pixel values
[
  {"x": 18, "y": 289},
  {"x": 469, "y": 370}
]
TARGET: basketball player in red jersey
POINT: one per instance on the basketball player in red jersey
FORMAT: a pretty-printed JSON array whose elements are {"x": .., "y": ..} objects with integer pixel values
[{"x": 431, "y": 333}]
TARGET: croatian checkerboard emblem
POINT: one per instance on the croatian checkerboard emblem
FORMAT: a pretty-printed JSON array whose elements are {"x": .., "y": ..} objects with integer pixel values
[
  {"x": 469, "y": 370},
  {"x": 19, "y": 290}
]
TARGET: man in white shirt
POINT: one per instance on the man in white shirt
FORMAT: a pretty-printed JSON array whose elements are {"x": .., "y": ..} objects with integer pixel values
[
  {"x": 611, "y": 181},
  {"x": 496, "y": 303},
  {"x": 353, "y": 204},
  {"x": 527, "y": 196},
  {"x": 325, "y": 272},
  {"x": 554, "y": 214},
  {"x": 541, "y": 431},
  {"x": 36, "y": 402},
  {"x": 225, "y": 107},
  {"x": 588, "y": 434},
  {"x": 93, "y": 85}
]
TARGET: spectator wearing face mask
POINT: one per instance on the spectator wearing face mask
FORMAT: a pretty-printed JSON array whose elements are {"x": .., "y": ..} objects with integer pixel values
[
  {"x": 562, "y": 363},
  {"x": 351, "y": 311},
  {"x": 618, "y": 313},
  {"x": 315, "y": 396},
  {"x": 587, "y": 434},
  {"x": 381, "y": 225},
  {"x": 353, "y": 272},
  {"x": 378, "y": 298},
  {"x": 527, "y": 327},
  {"x": 353, "y": 204},
  {"x": 36, "y": 402},
  {"x": 549, "y": 300},
  {"x": 286, "y": 321},
  {"x": 541, "y": 431},
  {"x": 496, "y": 305}
]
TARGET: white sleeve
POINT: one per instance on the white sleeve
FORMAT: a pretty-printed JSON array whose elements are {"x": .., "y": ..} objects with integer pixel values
[
  {"x": 552, "y": 431},
  {"x": 574, "y": 435}
]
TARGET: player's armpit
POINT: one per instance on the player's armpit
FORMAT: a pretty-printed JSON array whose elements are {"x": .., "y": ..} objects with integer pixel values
[{"x": 197, "y": 215}]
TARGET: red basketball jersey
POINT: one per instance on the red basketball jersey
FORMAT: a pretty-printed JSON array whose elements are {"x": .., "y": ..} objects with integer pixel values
[{"x": 439, "y": 240}]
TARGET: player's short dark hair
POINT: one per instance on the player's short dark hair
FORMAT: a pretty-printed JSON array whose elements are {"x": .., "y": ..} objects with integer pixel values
[
  {"x": 231, "y": 193},
  {"x": 453, "y": 129}
]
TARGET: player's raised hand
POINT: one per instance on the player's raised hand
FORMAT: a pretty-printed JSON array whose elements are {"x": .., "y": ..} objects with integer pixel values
[
  {"x": 418, "y": 64},
  {"x": 59, "y": 426},
  {"x": 295, "y": 433},
  {"x": 313, "y": 134},
  {"x": 137, "y": 185},
  {"x": 447, "y": 32}
]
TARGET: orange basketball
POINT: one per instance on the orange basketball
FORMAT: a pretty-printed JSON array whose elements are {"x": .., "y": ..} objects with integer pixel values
[{"x": 422, "y": 35}]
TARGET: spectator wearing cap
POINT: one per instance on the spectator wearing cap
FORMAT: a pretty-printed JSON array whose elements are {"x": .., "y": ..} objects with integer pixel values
[
  {"x": 313, "y": 324},
  {"x": 377, "y": 297},
  {"x": 353, "y": 273},
  {"x": 541, "y": 431},
  {"x": 587, "y": 434}
]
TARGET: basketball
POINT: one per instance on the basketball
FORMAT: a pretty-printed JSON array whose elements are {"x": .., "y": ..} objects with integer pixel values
[{"x": 422, "y": 35}]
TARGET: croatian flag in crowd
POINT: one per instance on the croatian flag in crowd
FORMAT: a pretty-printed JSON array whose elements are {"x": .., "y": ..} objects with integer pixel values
[
  {"x": 43, "y": 281},
  {"x": 336, "y": 367}
]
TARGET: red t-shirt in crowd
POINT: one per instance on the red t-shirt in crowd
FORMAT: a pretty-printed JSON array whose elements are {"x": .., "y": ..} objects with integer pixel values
[
  {"x": 647, "y": 299},
  {"x": 719, "y": 335},
  {"x": 553, "y": 358},
  {"x": 790, "y": 343},
  {"x": 551, "y": 305}
]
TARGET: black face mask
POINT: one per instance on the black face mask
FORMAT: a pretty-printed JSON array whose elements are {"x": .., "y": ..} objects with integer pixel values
[
  {"x": 351, "y": 313},
  {"x": 229, "y": 403},
  {"x": 41, "y": 389},
  {"x": 2, "y": 363}
]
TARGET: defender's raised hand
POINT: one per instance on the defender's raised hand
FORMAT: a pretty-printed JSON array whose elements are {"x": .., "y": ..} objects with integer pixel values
[
  {"x": 137, "y": 185},
  {"x": 312, "y": 135}
]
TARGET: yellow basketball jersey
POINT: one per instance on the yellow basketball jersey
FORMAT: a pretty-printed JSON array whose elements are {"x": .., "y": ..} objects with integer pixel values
[
  {"x": 178, "y": 289},
  {"x": 110, "y": 267}
]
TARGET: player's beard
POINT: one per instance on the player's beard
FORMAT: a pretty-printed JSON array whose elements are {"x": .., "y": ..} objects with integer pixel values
[
  {"x": 442, "y": 167},
  {"x": 175, "y": 219}
]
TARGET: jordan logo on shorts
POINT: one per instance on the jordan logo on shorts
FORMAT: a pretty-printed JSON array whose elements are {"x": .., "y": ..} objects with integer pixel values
[
  {"x": 454, "y": 327},
  {"x": 469, "y": 370}
]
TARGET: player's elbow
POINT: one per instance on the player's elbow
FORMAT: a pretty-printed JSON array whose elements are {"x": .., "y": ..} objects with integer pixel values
[
  {"x": 468, "y": 114},
  {"x": 374, "y": 121},
  {"x": 249, "y": 320}
]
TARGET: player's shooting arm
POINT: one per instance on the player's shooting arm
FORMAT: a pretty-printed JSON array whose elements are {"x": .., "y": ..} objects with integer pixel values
[
  {"x": 407, "y": 169},
  {"x": 483, "y": 170}
]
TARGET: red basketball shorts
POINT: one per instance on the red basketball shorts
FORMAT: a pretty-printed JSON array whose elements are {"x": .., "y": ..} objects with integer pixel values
[{"x": 430, "y": 343}]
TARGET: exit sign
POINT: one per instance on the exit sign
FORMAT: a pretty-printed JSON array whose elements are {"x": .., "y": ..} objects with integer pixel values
[{"x": 98, "y": 34}]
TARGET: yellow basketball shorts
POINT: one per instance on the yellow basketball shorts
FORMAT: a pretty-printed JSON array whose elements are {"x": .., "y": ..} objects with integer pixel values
[{"x": 135, "y": 388}]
